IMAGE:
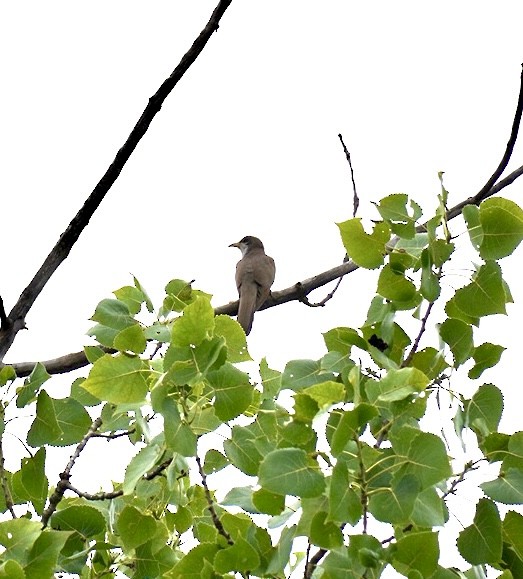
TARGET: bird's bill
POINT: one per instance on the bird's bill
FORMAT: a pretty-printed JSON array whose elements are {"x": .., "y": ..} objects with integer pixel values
[{"x": 237, "y": 244}]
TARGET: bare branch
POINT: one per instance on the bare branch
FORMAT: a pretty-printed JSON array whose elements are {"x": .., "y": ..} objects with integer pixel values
[
  {"x": 69, "y": 237},
  {"x": 4, "y": 320},
  {"x": 510, "y": 147},
  {"x": 60, "y": 365},
  {"x": 313, "y": 561}
]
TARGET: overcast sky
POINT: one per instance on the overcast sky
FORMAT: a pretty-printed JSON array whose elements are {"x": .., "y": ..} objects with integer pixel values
[{"x": 246, "y": 144}]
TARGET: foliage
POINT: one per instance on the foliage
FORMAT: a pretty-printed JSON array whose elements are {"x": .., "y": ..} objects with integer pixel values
[{"x": 346, "y": 473}]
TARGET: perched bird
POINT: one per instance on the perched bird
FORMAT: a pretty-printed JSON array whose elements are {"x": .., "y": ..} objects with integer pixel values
[{"x": 254, "y": 276}]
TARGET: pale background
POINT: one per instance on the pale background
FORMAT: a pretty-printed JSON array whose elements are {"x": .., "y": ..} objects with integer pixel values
[{"x": 246, "y": 144}]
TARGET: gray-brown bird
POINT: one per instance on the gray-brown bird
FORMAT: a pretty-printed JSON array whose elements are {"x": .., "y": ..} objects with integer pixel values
[{"x": 254, "y": 277}]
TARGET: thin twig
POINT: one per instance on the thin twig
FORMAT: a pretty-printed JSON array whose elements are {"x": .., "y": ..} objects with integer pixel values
[
  {"x": 356, "y": 199},
  {"x": 63, "y": 483},
  {"x": 415, "y": 345},
  {"x": 69, "y": 237},
  {"x": 469, "y": 467},
  {"x": 305, "y": 300},
  {"x": 214, "y": 516}
]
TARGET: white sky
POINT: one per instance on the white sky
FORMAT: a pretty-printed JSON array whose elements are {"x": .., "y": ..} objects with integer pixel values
[{"x": 246, "y": 144}]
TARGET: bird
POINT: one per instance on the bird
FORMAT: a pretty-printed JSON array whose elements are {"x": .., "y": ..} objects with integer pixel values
[{"x": 254, "y": 277}]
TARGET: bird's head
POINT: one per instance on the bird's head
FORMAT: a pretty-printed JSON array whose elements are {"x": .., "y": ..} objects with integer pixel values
[{"x": 247, "y": 243}]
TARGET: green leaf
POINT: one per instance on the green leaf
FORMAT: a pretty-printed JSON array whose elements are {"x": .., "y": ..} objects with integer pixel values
[
  {"x": 416, "y": 552},
  {"x": 514, "y": 455},
  {"x": 192, "y": 564},
  {"x": 32, "y": 384},
  {"x": 179, "y": 295},
  {"x": 289, "y": 471},
  {"x": 7, "y": 374},
  {"x": 178, "y": 434},
  {"x": 85, "y": 520},
  {"x": 394, "y": 208},
  {"x": 299, "y": 374},
  {"x": 280, "y": 558},
  {"x": 44, "y": 553},
  {"x": 430, "y": 509},
  {"x": 486, "y": 295},
  {"x": 430, "y": 287},
  {"x": 481, "y": 543},
  {"x": 241, "y": 450},
  {"x": 130, "y": 339},
  {"x": 18, "y": 536},
  {"x": 394, "y": 504},
  {"x": 349, "y": 425},
  {"x": 234, "y": 338},
  {"x": 425, "y": 455},
  {"x": 239, "y": 557},
  {"x": 214, "y": 461},
  {"x": 118, "y": 379},
  {"x": 134, "y": 527},
  {"x": 507, "y": 488},
  {"x": 471, "y": 216},
  {"x": 326, "y": 393},
  {"x": 30, "y": 484},
  {"x": 271, "y": 380},
  {"x": 80, "y": 394},
  {"x": 325, "y": 534},
  {"x": 113, "y": 314},
  {"x": 268, "y": 502},
  {"x": 459, "y": 336},
  {"x": 195, "y": 325},
  {"x": 366, "y": 250},
  {"x": 140, "y": 464},
  {"x": 484, "y": 411},
  {"x": 365, "y": 554},
  {"x": 154, "y": 561},
  {"x": 12, "y": 570},
  {"x": 232, "y": 389},
  {"x": 430, "y": 362},
  {"x": 397, "y": 385},
  {"x": 344, "y": 502},
  {"x": 502, "y": 224},
  {"x": 45, "y": 427},
  {"x": 486, "y": 356},
  {"x": 342, "y": 339},
  {"x": 398, "y": 289},
  {"x": 240, "y": 497}
]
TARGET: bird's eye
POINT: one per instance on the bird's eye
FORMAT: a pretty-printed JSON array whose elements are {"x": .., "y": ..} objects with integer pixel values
[{"x": 245, "y": 240}]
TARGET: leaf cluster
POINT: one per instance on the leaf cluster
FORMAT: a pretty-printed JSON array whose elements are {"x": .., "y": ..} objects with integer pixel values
[{"x": 347, "y": 469}]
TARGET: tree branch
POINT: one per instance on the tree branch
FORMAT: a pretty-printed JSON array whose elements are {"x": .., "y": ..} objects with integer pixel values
[
  {"x": 510, "y": 146},
  {"x": 63, "y": 483},
  {"x": 301, "y": 289},
  {"x": 214, "y": 515},
  {"x": 69, "y": 237}
]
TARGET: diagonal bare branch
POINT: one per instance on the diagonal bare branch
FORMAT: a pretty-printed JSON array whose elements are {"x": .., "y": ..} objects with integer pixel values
[{"x": 60, "y": 251}]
